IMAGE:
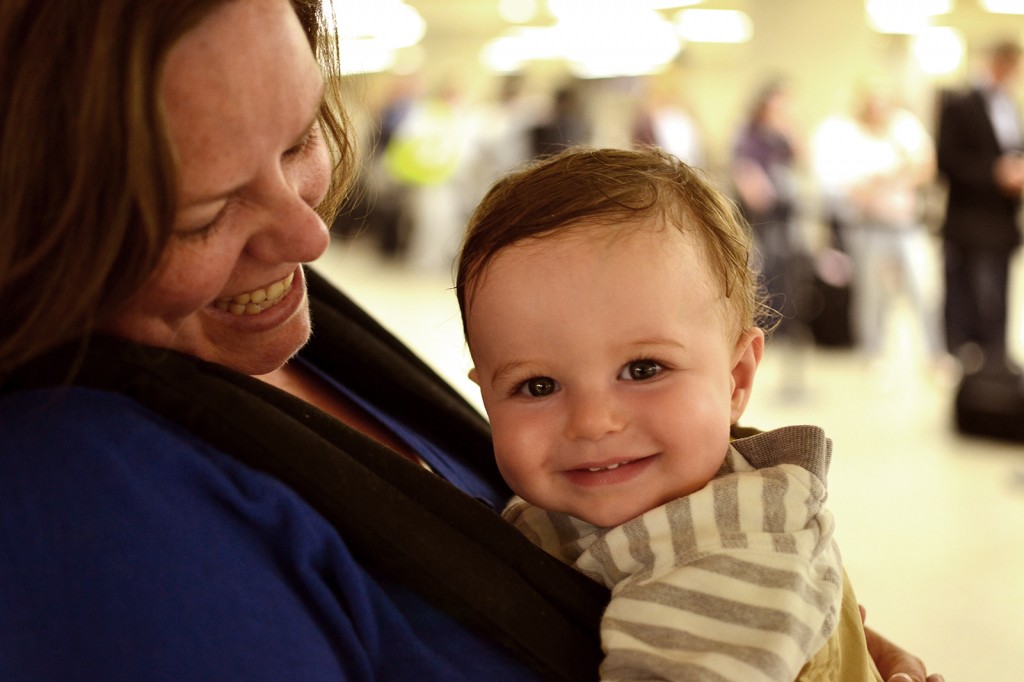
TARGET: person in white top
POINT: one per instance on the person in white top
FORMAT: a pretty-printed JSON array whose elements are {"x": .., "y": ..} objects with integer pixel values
[{"x": 873, "y": 167}]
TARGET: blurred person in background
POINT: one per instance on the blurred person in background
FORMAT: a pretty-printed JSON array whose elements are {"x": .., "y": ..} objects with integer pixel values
[
  {"x": 501, "y": 129},
  {"x": 664, "y": 119},
  {"x": 566, "y": 124},
  {"x": 763, "y": 174},
  {"x": 873, "y": 166},
  {"x": 980, "y": 140},
  {"x": 427, "y": 157}
]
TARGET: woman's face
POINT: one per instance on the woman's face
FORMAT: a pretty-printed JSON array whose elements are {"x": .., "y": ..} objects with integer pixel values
[{"x": 242, "y": 91}]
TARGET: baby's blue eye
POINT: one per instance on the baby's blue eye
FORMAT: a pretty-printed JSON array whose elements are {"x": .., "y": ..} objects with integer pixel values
[
  {"x": 538, "y": 387},
  {"x": 640, "y": 370}
]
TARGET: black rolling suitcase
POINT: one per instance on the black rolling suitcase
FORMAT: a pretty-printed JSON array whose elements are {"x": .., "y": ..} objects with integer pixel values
[
  {"x": 991, "y": 403},
  {"x": 830, "y": 305}
]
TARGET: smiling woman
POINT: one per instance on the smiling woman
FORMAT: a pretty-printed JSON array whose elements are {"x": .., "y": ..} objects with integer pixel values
[
  {"x": 166, "y": 171},
  {"x": 105, "y": 188},
  {"x": 252, "y": 168}
]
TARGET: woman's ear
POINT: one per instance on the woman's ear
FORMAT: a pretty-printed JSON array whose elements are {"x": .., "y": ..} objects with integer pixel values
[
  {"x": 474, "y": 377},
  {"x": 745, "y": 360}
]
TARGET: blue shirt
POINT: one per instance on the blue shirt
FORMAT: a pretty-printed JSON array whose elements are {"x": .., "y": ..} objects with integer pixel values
[{"x": 131, "y": 550}]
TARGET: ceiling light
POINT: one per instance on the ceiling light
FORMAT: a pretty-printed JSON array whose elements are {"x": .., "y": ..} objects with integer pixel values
[
  {"x": 517, "y": 11},
  {"x": 939, "y": 50},
  {"x": 714, "y": 26},
  {"x": 1003, "y": 6},
  {"x": 391, "y": 21},
  {"x": 671, "y": 4},
  {"x": 908, "y": 17}
]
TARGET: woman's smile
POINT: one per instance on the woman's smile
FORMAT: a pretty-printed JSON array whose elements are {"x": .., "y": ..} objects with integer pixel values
[{"x": 255, "y": 302}]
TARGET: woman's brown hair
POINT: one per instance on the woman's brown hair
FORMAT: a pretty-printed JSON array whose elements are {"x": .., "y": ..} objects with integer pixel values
[
  {"x": 87, "y": 173},
  {"x": 601, "y": 188}
]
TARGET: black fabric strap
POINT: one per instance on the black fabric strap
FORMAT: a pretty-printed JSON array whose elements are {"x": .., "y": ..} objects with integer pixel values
[{"x": 395, "y": 516}]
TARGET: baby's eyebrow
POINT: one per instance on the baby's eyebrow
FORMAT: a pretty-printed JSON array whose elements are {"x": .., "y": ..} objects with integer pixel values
[
  {"x": 657, "y": 342},
  {"x": 507, "y": 371}
]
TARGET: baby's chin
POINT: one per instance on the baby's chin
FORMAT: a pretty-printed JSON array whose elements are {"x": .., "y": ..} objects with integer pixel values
[{"x": 609, "y": 518}]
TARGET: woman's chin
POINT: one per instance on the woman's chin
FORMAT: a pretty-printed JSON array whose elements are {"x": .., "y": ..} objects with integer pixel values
[{"x": 262, "y": 352}]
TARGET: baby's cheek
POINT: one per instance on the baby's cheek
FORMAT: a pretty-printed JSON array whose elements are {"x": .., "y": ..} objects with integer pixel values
[{"x": 518, "y": 453}]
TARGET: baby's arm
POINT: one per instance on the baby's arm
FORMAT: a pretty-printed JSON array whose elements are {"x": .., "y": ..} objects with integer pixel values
[{"x": 700, "y": 587}]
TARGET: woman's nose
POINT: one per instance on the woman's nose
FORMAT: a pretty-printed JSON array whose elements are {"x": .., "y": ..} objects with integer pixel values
[
  {"x": 293, "y": 230},
  {"x": 593, "y": 416}
]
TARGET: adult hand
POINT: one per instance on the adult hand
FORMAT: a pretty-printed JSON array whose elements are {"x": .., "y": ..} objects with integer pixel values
[
  {"x": 1009, "y": 173},
  {"x": 895, "y": 664}
]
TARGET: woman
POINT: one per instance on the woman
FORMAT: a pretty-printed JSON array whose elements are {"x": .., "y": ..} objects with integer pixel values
[
  {"x": 166, "y": 510},
  {"x": 762, "y": 172}
]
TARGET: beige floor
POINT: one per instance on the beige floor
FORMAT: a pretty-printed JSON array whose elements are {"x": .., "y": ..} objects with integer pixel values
[{"x": 931, "y": 523}]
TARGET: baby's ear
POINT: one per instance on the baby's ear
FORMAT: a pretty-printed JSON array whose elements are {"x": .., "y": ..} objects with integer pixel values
[
  {"x": 474, "y": 377},
  {"x": 746, "y": 358}
]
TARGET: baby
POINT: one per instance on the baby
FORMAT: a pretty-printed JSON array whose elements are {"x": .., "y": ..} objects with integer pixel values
[{"x": 612, "y": 318}]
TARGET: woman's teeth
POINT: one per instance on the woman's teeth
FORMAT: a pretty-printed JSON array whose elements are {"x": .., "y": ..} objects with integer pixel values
[{"x": 257, "y": 301}]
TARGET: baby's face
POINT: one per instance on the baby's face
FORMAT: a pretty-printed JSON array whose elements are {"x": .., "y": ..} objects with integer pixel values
[{"x": 608, "y": 368}]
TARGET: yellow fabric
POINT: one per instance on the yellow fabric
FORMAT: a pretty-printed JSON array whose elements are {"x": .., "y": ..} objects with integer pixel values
[{"x": 844, "y": 658}]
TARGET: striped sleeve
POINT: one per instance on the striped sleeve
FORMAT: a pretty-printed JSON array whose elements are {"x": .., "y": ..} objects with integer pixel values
[{"x": 740, "y": 581}]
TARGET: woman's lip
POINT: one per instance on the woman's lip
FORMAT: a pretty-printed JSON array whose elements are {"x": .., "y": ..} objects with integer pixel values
[
  {"x": 624, "y": 470},
  {"x": 273, "y": 316},
  {"x": 258, "y": 300}
]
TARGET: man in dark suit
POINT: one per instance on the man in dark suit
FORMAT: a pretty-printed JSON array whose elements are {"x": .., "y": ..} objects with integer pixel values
[{"x": 980, "y": 140}]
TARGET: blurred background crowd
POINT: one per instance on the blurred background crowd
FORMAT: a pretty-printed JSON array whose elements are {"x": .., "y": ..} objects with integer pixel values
[
  {"x": 824, "y": 122},
  {"x": 820, "y": 120}
]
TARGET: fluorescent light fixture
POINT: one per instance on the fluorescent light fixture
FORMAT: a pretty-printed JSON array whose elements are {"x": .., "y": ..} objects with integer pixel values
[
  {"x": 563, "y": 8},
  {"x": 613, "y": 39},
  {"x": 671, "y": 4},
  {"x": 939, "y": 50},
  {"x": 714, "y": 26},
  {"x": 618, "y": 41},
  {"x": 511, "y": 51},
  {"x": 908, "y": 17},
  {"x": 517, "y": 11},
  {"x": 1003, "y": 6},
  {"x": 365, "y": 56},
  {"x": 392, "y": 22},
  {"x": 370, "y": 32}
]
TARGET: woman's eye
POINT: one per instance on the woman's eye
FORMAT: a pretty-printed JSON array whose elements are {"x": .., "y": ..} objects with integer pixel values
[
  {"x": 538, "y": 387},
  {"x": 201, "y": 232},
  {"x": 640, "y": 370},
  {"x": 306, "y": 142}
]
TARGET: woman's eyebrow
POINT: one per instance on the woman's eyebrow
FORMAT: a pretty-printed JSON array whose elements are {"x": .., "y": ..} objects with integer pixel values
[
  {"x": 316, "y": 115},
  {"x": 219, "y": 195}
]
